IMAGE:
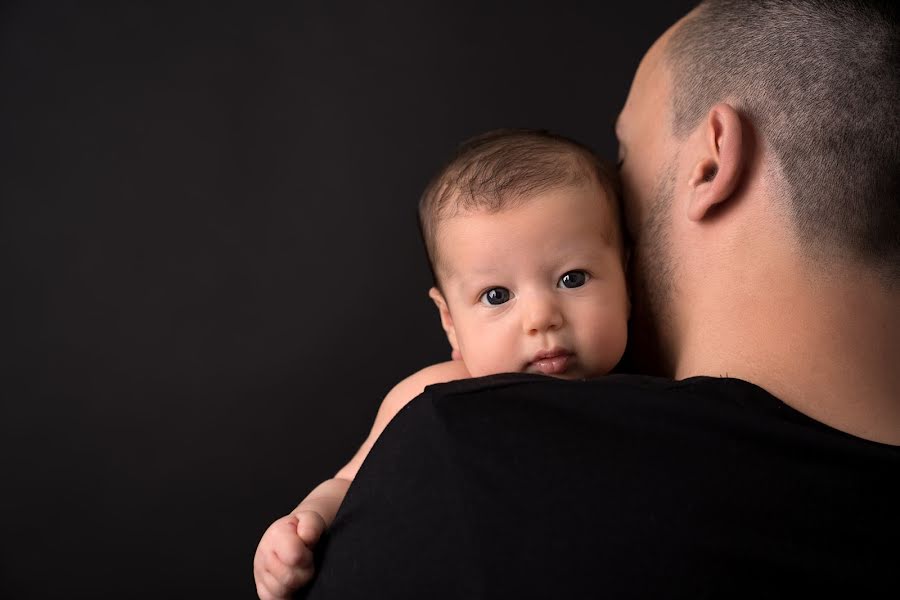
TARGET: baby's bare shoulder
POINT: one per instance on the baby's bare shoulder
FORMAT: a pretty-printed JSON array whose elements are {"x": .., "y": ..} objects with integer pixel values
[
  {"x": 439, "y": 373},
  {"x": 442, "y": 372},
  {"x": 399, "y": 397}
]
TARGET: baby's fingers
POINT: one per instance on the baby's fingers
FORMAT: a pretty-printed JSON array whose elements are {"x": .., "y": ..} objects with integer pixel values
[
  {"x": 310, "y": 526},
  {"x": 269, "y": 587},
  {"x": 292, "y": 575},
  {"x": 279, "y": 580},
  {"x": 292, "y": 552},
  {"x": 282, "y": 563}
]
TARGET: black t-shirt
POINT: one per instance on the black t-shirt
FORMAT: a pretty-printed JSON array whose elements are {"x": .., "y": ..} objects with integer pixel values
[{"x": 523, "y": 486}]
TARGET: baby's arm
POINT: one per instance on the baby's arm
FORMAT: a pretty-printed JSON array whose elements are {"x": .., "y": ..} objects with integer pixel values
[
  {"x": 396, "y": 399},
  {"x": 284, "y": 559}
]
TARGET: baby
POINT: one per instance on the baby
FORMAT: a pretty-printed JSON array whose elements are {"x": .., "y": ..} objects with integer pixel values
[{"x": 523, "y": 234}]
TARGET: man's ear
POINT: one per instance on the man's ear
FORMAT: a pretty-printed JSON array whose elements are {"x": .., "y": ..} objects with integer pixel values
[
  {"x": 446, "y": 320},
  {"x": 717, "y": 175}
]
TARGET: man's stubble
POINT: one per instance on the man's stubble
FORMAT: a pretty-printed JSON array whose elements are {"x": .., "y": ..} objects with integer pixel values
[{"x": 653, "y": 278}]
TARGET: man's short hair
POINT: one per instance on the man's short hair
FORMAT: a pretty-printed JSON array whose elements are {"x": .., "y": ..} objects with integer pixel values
[
  {"x": 819, "y": 80},
  {"x": 504, "y": 168}
]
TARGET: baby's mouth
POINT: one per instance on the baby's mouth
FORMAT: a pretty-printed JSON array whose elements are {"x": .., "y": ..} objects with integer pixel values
[{"x": 551, "y": 363}]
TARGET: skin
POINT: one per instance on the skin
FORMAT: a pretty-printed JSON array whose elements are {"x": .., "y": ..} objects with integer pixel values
[
  {"x": 525, "y": 253},
  {"x": 562, "y": 270},
  {"x": 722, "y": 285}
]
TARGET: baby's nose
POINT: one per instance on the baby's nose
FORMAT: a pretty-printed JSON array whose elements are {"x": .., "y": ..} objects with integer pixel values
[{"x": 541, "y": 314}]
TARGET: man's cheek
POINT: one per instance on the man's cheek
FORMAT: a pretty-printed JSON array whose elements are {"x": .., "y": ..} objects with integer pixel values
[
  {"x": 631, "y": 214},
  {"x": 629, "y": 204}
]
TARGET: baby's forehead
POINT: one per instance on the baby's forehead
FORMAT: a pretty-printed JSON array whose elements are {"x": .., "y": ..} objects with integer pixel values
[
  {"x": 574, "y": 218},
  {"x": 600, "y": 201}
]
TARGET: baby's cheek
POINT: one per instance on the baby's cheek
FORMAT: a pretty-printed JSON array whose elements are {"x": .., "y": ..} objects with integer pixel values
[
  {"x": 606, "y": 341},
  {"x": 491, "y": 348},
  {"x": 491, "y": 357},
  {"x": 473, "y": 355},
  {"x": 485, "y": 363}
]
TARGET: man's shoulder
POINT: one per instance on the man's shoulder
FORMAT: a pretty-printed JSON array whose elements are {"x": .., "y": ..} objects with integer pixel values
[
  {"x": 699, "y": 414},
  {"x": 633, "y": 395},
  {"x": 609, "y": 387},
  {"x": 698, "y": 401},
  {"x": 641, "y": 486},
  {"x": 699, "y": 469}
]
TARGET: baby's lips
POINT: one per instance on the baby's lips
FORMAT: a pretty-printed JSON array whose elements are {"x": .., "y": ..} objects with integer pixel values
[{"x": 554, "y": 364}]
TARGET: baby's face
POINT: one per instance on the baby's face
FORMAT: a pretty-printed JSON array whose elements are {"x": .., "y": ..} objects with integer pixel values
[{"x": 537, "y": 288}]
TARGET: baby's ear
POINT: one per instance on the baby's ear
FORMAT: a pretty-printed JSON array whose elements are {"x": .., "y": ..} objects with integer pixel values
[{"x": 446, "y": 319}]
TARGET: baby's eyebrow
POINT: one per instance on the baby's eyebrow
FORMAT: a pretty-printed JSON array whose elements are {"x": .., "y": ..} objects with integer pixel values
[
  {"x": 467, "y": 275},
  {"x": 467, "y": 286},
  {"x": 486, "y": 270}
]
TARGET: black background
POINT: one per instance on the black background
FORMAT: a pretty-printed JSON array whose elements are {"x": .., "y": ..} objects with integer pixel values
[{"x": 211, "y": 272}]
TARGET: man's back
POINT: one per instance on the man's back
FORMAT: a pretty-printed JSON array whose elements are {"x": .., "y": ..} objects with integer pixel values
[{"x": 530, "y": 487}]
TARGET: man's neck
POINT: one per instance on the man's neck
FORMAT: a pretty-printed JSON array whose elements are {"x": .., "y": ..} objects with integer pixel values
[{"x": 826, "y": 346}]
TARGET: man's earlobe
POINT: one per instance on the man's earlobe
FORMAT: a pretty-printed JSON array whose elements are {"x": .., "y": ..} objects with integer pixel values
[
  {"x": 446, "y": 319},
  {"x": 716, "y": 176}
]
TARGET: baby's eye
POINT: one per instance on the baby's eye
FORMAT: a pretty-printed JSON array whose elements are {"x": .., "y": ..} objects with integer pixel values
[
  {"x": 495, "y": 296},
  {"x": 573, "y": 279}
]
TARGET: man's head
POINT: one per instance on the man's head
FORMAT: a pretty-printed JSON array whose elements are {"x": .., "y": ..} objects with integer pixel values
[
  {"x": 756, "y": 128},
  {"x": 522, "y": 228}
]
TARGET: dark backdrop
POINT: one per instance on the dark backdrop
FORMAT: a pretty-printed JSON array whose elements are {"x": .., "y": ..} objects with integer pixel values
[{"x": 211, "y": 272}]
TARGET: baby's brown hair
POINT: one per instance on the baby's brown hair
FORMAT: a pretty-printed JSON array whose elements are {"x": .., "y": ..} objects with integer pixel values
[{"x": 502, "y": 169}]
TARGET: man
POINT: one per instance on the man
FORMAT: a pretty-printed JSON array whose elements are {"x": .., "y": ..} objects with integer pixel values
[
  {"x": 759, "y": 156},
  {"x": 766, "y": 219}
]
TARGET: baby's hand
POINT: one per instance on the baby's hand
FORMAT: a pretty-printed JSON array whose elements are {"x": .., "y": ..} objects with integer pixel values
[{"x": 284, "y": 559}]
